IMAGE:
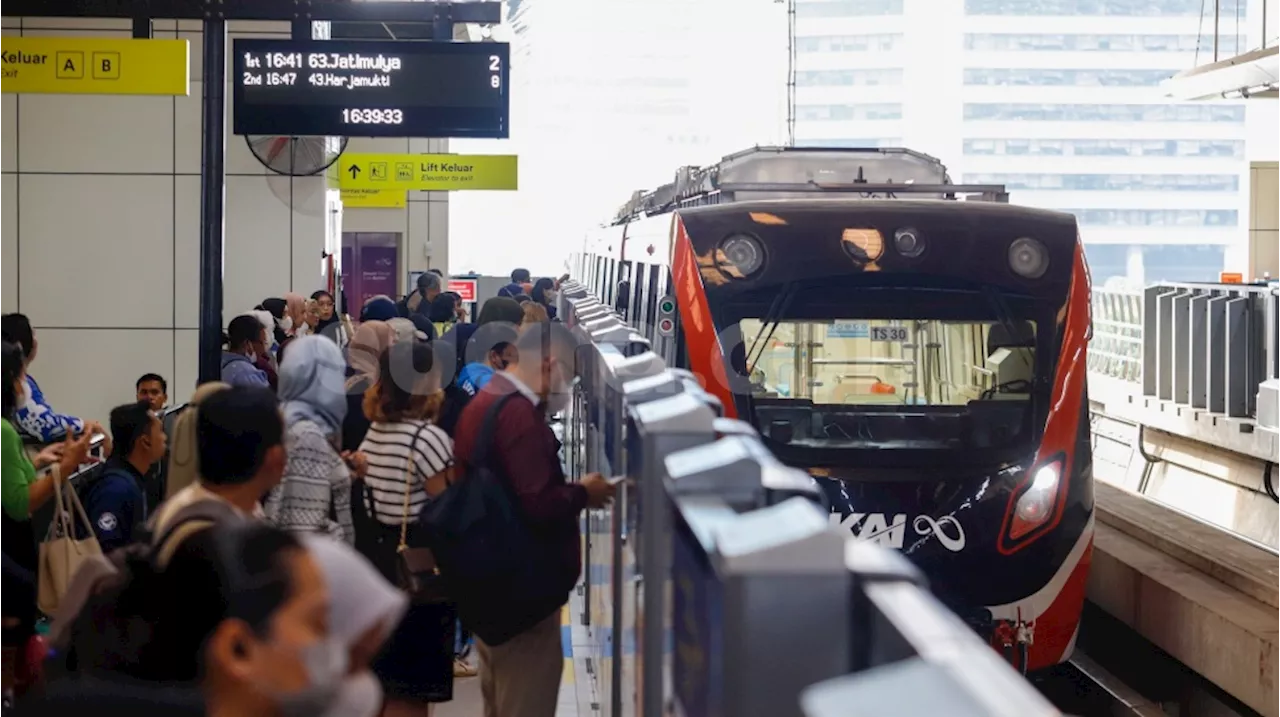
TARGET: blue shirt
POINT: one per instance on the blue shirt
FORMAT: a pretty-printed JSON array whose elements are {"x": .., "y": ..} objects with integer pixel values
[
  {"x": 474, "y": 376},
  {"x": 116, "y": 504},
  {"x": 38, "y": 420},
  {"x": 237, "y": 370}
]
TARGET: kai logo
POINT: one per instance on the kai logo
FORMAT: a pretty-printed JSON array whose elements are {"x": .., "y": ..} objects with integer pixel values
[{"x": 891, "y": 530}]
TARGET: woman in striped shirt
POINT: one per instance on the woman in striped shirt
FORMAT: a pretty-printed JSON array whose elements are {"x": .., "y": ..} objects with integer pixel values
[{"x": 408, "y": 461}]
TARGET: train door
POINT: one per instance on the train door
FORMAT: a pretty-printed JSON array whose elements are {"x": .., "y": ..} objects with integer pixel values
[{"x": 636, "y": 314}]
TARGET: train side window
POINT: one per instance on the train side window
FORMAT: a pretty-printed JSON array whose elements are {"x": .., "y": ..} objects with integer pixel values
[
  {"x": 596, "y": 275},
  {"x": 636, "y": 315},
  {"x": 609, "y": 273}
]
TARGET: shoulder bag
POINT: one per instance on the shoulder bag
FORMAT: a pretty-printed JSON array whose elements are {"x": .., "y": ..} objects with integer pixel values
[
  {"x": 61, "y": 553},
  {"x": 416, "y": 569}
]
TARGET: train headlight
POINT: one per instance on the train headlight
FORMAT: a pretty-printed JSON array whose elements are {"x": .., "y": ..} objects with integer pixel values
[
  {"x": 1036, "y": 504},
  {"x": 741, "y": 254},
  {"x": 909, "y": 242},
  {"x": 1028, "y": 258}
]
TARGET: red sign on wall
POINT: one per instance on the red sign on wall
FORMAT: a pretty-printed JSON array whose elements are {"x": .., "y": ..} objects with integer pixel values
[{"x": 466, "y": 288}]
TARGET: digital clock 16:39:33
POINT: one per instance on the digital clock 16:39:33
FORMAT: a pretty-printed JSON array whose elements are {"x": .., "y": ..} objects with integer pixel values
[{"x": 368, "y": 116}]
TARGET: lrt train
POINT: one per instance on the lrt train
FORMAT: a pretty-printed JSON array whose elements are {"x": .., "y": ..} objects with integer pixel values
[{"x": 917, "y": 346}]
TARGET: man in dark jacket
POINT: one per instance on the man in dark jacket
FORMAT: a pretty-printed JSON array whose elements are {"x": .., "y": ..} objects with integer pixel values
[
  {"x": 521, "y": 677},
  {"x": 519, "y": 277},
  {"x": 419, "y": 302},
  {"x": 116, "y": 499}
]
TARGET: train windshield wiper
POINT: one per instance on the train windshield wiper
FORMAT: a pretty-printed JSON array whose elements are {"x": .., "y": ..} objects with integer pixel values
[{"x": 770, "y": 321}]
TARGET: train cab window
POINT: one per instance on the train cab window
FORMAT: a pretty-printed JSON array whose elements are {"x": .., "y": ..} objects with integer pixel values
[{"x": 891, "y": 383}]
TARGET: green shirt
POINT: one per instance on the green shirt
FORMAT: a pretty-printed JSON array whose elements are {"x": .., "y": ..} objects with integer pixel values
[{"x": 17, "y": 474}]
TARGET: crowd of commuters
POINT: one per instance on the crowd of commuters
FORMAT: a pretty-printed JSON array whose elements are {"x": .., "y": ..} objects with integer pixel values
[{"x": 254, "y": 543}]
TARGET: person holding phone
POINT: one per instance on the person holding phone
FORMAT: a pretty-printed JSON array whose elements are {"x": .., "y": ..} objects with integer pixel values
[{"x": 23, "y": 490}]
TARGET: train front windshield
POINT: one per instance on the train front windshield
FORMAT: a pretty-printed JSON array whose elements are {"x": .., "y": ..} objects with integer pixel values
[{"x": 901, "y": 374}]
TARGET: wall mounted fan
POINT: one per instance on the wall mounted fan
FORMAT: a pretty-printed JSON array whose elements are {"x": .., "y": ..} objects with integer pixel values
[{"x": 296, "y": 156}]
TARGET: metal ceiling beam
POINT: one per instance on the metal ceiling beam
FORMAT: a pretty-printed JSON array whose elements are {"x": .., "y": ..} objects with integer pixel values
[{"x": 485, "y": 13}]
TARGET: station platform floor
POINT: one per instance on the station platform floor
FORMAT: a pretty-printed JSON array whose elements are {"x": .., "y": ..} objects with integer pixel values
[{"x": 577, "y": 689}]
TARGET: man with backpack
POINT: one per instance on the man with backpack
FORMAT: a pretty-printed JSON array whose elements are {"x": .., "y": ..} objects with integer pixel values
[
  {"x": 503, "y": 436},
  {"x": 115, "y": 499},
  {"x": 241, "y": 456},
  {"x": 419, "y": 302}
]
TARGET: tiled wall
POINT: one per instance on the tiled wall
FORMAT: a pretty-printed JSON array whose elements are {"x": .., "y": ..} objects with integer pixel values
[{"x": 101, "y": 227}]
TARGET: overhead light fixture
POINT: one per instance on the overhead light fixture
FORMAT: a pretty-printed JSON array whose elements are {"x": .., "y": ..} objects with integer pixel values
[{"x": 1253, "y": 74}]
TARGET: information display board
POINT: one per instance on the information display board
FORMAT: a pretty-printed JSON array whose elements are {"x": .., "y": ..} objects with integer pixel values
[{"x": 371, "y": 88}]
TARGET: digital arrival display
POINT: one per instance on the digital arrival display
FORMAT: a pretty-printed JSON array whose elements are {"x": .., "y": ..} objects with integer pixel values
[{"x": 358, "y": 88}]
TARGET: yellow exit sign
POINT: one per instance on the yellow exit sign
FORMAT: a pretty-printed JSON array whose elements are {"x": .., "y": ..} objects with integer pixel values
[{"x": 94, "y": 66}]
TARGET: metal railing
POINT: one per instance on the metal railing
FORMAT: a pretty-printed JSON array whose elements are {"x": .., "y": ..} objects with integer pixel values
[
  {"x": 716, "y": 583},
  {"x": 1116, "y": 348}
]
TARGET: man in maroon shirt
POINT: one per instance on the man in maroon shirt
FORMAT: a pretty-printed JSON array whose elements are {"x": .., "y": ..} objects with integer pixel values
[{"x": 521, "y": 677}]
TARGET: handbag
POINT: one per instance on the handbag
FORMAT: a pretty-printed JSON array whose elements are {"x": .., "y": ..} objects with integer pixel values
[
  {"x": 416, "y": 570},
  {"x": 61, "y": 553}
]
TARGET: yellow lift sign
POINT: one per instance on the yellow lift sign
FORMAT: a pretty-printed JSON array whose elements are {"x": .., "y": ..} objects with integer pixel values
[
  {"x": 94, "y": 66},
  {"x": 374, "y": 198},
  {"x": 434, "y": 172}
]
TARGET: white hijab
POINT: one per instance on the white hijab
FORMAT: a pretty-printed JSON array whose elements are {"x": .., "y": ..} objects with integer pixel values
[{"x": 359, "y": 600}]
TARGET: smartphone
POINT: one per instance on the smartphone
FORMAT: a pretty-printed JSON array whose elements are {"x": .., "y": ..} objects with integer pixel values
[{"x": 96, "y": 446}]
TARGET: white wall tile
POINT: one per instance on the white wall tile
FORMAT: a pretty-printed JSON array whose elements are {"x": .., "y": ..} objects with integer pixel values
[
  {"x": 428, "y": 226},
  {"x": 307, "y": 231},
  {"x": 186, "y": 365},
  {"x": 9, "y": 243},
  {"x": 187, "y": 131},
  {"x": 375, "y": 220},
  {"x": 195, "y": 53},
  {"x": 374, "y": 145},
  {"x": 95, "y": 133},
  {"x": 102, "y": 24},
  {"x": 186, "y": 252},
  {"x": 256, "y": 256},
  {"x": 111, "y": 237},
  {"x": 9, "y": 133},
  {"x": 88, "y": 372}
]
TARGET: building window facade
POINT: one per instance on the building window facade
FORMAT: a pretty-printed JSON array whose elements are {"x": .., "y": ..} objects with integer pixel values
[
  {"x": 872, "y": 111},
  {"x": 845, "y": 78},
  {"x": 856, "y": 143},
  {"x": 1157, "y": 217},
  {"x": 1205, "y": 148},
  {"x": 1027, "y": 112},
  {"x": 1015, "y": 77},
  {"x": 847, "y": 8},
  {"x": 1121, "y": 8},
  {"x": 871, "y": 42},
  {"x": 1110, "y": 182},
  {"x": 1035, "y": 42}
]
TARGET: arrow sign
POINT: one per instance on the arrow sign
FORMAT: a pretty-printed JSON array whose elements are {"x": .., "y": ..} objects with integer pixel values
[{"x": 355, "y": 171}]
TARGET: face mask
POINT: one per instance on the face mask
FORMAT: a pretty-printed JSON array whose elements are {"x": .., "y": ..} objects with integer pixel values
[
  {"x": 551, "y": 296},
  {"x": 359, "y": 696},
  {"x": 325, "y": 662},
  {"x": 286, "y": 324}
]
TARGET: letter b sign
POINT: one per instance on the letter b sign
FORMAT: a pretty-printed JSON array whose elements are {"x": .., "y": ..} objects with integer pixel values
[{"x": 106, "y": 65}]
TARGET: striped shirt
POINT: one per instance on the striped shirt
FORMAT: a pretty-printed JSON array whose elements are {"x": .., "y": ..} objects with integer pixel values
[{"x": 398, "y": 451}]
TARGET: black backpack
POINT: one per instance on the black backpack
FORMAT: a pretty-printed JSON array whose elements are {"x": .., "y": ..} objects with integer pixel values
[{"x": 504, "y": 577}]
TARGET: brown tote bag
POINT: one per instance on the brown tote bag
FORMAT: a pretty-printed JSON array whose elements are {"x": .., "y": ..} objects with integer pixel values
[
  {"x": 416, "y": 567},
  {"x": 61, "y": 553}
]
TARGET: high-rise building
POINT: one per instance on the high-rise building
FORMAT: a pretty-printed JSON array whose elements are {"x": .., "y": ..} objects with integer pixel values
[
  {"x": 1059, "y": 100},
  {"x": 612, "y": 96}
]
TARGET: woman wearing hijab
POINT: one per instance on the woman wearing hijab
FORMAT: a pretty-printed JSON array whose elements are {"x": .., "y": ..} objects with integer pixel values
[
  {"x": 364, "y": 610},
  {"x": 328, "y": 319},
  {"x": 367, "y": 345},
  {"x": 315, "y": 494},
  {"x": 184, "y": 463},
  {"x": 379, "y": 308}
]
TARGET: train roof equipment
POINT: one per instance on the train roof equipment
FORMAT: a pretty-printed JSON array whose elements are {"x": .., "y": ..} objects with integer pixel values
[{"x": 810, "y": 173}]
